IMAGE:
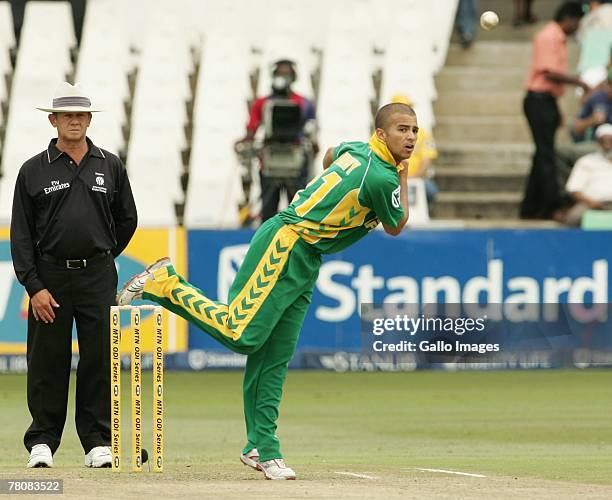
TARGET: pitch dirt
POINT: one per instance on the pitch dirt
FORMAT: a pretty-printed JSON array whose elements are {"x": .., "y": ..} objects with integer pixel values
[{"x": 228, "y": 482}]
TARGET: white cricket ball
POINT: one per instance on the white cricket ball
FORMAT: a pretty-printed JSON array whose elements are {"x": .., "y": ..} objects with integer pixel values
[{"x": 489, "y": 20}]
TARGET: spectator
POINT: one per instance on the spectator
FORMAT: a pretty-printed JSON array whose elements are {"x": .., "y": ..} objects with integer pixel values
[
  {"x": 523, "y": 13},
  {"x": 424, "y": 153},
  {"x": 545, "y": 83},
  {"x": 467, "y": 13},
  {"x": 599, "y": 16},
  {"x": 283, "y": 76},
  {"x": 596, "y": 110},
  {"x": 590, "y": 183},
  {"x": 595, "y": 36}
]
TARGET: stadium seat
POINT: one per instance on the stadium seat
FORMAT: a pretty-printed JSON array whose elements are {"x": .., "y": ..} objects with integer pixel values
[
  {"x": 346, "y": 87},
  {"x": 159, "y": 117},
  {"x": 42, "y": 63},
  {"x": 220, "y": 112},
  {"x": 103, "y": 67},
  {"x": 137, "y": 60},
  {"x": 7, "y": 42},
  {"x": 407, "y": 70},
  {"x": 441, "y": 27},
  {"x": 417, "y": 200}
]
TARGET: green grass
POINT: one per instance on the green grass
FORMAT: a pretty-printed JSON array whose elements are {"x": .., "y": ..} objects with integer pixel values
[{"x": 541, "y": 424}]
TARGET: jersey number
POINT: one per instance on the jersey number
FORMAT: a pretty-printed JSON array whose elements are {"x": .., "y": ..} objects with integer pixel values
[{"x": 330, "y": 179}]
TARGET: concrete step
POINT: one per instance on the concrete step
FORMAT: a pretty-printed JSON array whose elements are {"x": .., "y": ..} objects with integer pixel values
[
  {"x": 482, "y": 128},
  {"x": 481, "y": 179},
  {"x": 457, "y": 205},
  {"x": 495, "y": 53},
  {"x": 498, "y": 155},
  {"x": 499, "y": 53},
  {"x": 543, "y": 9},
  {"x": 470, "y": 103},
  {"x": 510, "y": 224},
  {"x": 480, "y": 78},
  {"x": 506, "y": 32}
]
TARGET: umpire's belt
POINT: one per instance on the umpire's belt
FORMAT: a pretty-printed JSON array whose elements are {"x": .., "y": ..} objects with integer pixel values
[{"x": 74, "y": 263}]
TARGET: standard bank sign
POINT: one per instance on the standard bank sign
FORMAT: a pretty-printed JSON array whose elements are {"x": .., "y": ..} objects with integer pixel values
[
  {"x": 513, "y": 268},
  {"x": 347, "y": 286}
]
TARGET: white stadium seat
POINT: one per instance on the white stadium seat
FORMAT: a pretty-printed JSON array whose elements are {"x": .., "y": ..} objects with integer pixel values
[
  {"x": 343, "y": 107},
  {"x": 232, "y": 39},
  {"x": 42, "y": 63},
  {"x": 102, "y": 69},
  {"x": 7, "y": 41},
  {"x": 219, "y": 118},
  {"x": 159, "y": 118}
]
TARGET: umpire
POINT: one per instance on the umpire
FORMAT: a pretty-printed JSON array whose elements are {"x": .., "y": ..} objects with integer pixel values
[{"x": 73, "y": 212}]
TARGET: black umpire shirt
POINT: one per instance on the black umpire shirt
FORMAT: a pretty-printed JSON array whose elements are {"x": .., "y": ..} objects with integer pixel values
[{"x": 69, "y": 211}]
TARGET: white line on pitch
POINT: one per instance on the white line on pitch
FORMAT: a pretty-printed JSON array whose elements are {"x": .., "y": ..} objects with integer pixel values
[
  {"x": 361, "y": 476},
  {"x": 449, "y": 472}
]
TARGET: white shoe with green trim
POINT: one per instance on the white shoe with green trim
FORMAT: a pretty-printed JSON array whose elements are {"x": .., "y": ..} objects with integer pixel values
[
  {"x": 251, "y": 459},
  {"x": 276, "y": 469}
]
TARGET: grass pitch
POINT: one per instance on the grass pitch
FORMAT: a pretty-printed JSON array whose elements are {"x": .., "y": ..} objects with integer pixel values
[{"x": 544, "y": 434}]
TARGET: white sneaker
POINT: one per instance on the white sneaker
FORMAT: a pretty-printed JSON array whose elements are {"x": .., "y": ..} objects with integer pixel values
[
  {"x": 276, "y": 469},
  {"x": 132, "y": 290},
  {"x": 40, "y": 456},
  {"x": 251, "y": 459},
  {"x": 99, "y": 457}
]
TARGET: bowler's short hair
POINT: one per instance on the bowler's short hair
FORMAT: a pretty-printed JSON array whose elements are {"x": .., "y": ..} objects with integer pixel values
[{"x": 384, "y": 113}]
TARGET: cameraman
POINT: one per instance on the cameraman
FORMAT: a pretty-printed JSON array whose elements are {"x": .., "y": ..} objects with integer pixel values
[{"x": 283, "y": 76}]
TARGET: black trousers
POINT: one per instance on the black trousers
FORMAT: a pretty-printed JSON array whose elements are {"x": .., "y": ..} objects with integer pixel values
[
  {"x": 84, "y": 295},
  {"x": 270, "y": 193},
  {"x": 542, "y": 195}
]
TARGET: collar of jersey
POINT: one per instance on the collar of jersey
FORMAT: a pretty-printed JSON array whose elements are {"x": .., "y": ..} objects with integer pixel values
[{"x": 382, "y": 151}]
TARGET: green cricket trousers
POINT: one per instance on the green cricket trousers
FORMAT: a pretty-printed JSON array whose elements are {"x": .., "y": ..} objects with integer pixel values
[{"x": 268, "y": 301}]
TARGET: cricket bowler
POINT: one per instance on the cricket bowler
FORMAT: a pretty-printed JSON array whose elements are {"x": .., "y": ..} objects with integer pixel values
[{"x": 362, "y": 185}]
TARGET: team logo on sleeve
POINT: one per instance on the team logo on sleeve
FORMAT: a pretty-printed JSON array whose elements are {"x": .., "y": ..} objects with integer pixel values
[{"x": 395, "y": 198}]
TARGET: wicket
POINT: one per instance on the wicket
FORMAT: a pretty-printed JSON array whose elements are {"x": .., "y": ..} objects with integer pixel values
[{"x": 157, "y": 458}]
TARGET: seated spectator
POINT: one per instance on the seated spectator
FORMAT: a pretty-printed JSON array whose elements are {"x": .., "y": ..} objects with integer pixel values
[
  {"x": 424, "y": 153},
  {"x": 590, "y": 183},
  {"x": 596, "y": 110}
]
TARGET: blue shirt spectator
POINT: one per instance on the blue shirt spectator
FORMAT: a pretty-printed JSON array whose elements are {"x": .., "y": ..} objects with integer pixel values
[{"x": 596, "y": 110}]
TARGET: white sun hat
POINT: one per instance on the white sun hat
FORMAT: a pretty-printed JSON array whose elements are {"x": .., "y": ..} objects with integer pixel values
[
  {"x": 70, "y": 99},
  {"x": 605, "y": 129}
]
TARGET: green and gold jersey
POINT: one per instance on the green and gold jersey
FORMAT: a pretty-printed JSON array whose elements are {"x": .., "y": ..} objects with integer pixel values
[{"x": 340, "y": 206}]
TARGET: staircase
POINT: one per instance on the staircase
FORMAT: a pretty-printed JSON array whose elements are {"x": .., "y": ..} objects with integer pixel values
[{"x": 483, "y": 139}]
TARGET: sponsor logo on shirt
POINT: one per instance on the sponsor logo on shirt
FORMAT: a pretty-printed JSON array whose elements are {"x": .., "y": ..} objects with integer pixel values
[{"x": 56, "y": 186}]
